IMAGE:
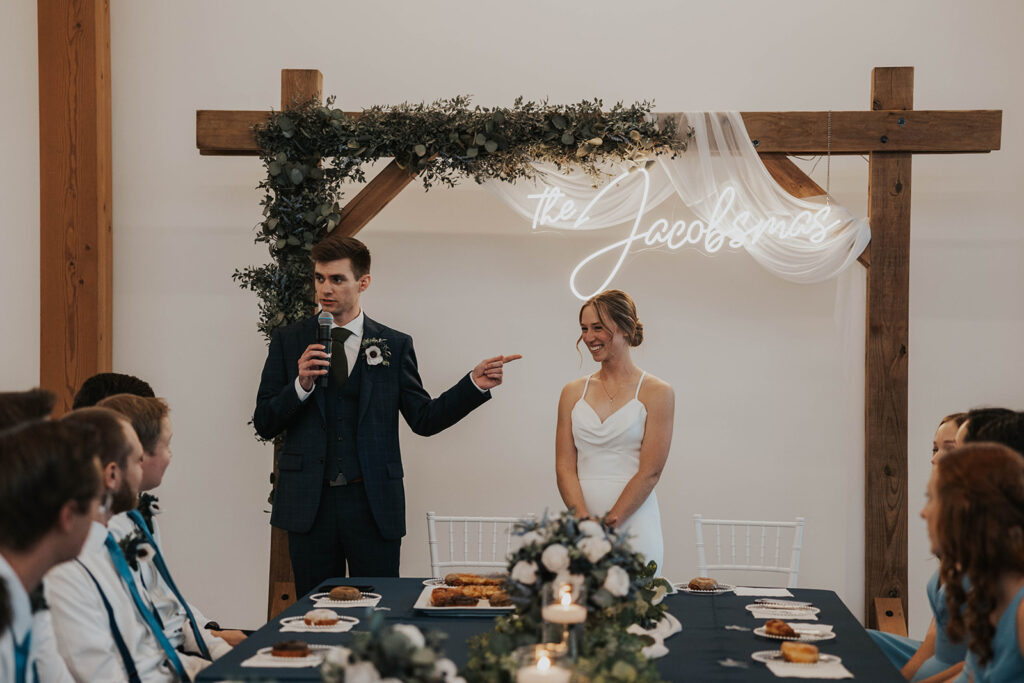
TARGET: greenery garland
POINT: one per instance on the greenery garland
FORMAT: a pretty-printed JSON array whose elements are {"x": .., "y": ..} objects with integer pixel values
[{"x": 311, "y": 150}]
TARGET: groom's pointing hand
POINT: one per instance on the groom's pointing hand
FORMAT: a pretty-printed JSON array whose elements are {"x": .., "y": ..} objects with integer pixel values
[{"x": 487, "y": 374}]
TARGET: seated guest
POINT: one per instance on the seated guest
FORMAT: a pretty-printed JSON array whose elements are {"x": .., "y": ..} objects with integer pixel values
[
  {"x": 975, "y": 516},
  {"x": 49, "y": 491},
  {"x": 98, "y": 387},
  {"x": 1007, "y": 430},
  {"x": 937, "y": 658},
  {"x": 19, "y": 407},
  {"x": 106, "y": 628},
  {"x": 183, "y": 623},
  {"x": 975, "y": 420}
]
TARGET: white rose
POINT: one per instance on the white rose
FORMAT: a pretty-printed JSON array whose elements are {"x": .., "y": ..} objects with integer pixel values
[
  {"x": 525, "y": 572},
  {"x": 555, "y": 557},
  {"x": 446, "y": 669},
  {"x": 617, "y": 581},
  {"x": 413, "y": 634},
  {"x": 338, "y": 656},
  {"x": 363, "y": 672},
  {"x": 594, "y": 548},
  {"x": 589, "y": 527},
  {"x": 530, "y": 538}
]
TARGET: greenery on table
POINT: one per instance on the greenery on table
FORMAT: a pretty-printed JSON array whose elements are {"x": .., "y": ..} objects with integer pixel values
[
  {"x": 400, "y": 652},
  {"x": 311, "y": 150},
  {"x": 594, "y": 552}
]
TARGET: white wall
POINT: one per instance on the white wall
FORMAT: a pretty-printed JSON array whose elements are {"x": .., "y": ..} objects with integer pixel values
[{"x": 769, "y": 387}]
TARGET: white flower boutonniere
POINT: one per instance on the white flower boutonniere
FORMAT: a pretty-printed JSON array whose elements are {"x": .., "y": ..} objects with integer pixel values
[{"x": 376, "y": 352}]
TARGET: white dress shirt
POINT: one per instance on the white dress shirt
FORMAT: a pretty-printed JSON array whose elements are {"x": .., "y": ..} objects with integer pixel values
[
  {"x": 172, "y": 614},
  {"x": 352, "y": 346},
  {"x": 82, "y": 627},
  {"x": 42, "y": 654}
]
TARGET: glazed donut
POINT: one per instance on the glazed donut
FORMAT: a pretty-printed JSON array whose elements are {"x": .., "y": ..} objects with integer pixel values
[{"x": 702, "y": 583}]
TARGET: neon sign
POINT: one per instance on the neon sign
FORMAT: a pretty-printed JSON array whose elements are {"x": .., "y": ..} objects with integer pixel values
[{"x": 728, "y": 226}]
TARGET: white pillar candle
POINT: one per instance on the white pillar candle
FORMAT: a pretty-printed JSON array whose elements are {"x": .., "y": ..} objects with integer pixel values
[
  {"x": 543, "y": 672},
  {"x": 564, "y": 614}
]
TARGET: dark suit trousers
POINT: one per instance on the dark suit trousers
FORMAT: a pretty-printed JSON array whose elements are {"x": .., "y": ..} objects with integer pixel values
[{"x": 344, "y": 535}]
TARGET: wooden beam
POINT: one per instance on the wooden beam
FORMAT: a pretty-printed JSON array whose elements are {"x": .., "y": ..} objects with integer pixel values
[
  {"x": 75, "y": 198},
  {"x": 885, "y": 395},
  {"x": 384, "y": 187},
  {"x": 298, "y": 86},
  {"x": 787, "y": 132},
  {"x": 797, "y": 183},
  {"x": 889, "y": 129}
]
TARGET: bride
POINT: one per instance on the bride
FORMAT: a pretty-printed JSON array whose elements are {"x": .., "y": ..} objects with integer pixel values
[{"x": 615, "y": 428}]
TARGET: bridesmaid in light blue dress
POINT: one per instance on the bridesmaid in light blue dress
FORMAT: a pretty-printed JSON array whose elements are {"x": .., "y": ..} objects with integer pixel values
[{"x": 975, "y": 515}]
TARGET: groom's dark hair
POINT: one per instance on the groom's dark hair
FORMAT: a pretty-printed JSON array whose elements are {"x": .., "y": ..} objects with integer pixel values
[{"x": 333, "y": 248}]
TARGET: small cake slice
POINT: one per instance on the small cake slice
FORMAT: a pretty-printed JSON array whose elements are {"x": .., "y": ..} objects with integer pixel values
[
  {"x": 777, "y": 627},
  {"x": 290, "y": 648},
  {"x": 320, "y": 617},
  {"x": 799, "y": 653}
]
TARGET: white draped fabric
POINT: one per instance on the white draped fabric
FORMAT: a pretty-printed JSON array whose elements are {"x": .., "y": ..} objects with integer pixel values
[{"x": 721, "y": 179}]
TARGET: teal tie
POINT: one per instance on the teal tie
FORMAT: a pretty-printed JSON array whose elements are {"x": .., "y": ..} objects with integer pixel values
[
  {"x": 121, "y": 565},
  {"x": 161, "y": 567},
  {"x": 21, "y": 658}
]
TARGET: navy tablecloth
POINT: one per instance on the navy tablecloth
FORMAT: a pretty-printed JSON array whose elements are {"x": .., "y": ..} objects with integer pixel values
[{"x": 693, "y": 655}]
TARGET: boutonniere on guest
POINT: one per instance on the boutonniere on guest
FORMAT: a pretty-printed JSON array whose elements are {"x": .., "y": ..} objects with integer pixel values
[
  {"x": 135, "y": 548},
  {"x": 376, "y": 352},
  {"x": 149, "y": 505}
]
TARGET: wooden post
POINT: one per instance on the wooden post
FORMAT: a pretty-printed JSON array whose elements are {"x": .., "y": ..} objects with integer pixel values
[
  {"x": 75, "y": 225},
  {"x": 298, "y": 86},
  {"x": 885, "y": 394}
]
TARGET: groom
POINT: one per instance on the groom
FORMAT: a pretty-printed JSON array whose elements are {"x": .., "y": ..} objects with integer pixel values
[{"x": 339, "y": 490}]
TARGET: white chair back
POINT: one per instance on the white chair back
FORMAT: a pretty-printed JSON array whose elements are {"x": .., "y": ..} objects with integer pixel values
[
  {"x": 484, "y": 542},
  {"x": 757, "y": 547}
]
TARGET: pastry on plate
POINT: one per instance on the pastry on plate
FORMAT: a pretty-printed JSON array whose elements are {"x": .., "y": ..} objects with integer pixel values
[
  {"x": 320, "y": 617},
  {"x": 451, "y": 597},
  {"x": 499, "y": 599},
  {"x": 702, "y": 583},
  {"x": 800, "y": 653},
  {"x": 290, "y": 648},
  {"x": 777, "y": 627},
  {"x": 344, "y": 593},
  {"x": 474, "y": 580}
]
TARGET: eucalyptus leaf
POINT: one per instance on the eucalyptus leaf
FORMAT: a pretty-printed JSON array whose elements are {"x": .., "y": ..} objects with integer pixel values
[
  {"x": 558, "y": 121},
  {"x": 274, "y": 168},
  {"x": 491, "y": 146},
  {"x": 480, "y": 139},
  {"x": 420, "y": 150},
  {"x": 295, "y": 175},
  {"x": 568, "y": 138},
  {"x": 471, "y": 152}
]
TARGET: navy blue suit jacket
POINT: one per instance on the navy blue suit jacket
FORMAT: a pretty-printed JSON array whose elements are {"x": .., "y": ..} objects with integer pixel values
[{"x": 385, "y": 392}]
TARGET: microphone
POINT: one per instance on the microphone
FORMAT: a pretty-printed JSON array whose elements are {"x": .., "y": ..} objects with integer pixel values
[{"x": 323, "y": 336}]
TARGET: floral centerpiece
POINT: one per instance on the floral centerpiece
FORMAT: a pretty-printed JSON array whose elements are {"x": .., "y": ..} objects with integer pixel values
[
  {"x": 620, "y": 591},
  {"x": 399, "y": 653}
]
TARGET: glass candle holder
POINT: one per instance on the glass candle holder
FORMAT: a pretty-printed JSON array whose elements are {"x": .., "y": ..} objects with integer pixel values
[
  {"x": 564, "y": 611},
  {"x": 543, "y": 663}
]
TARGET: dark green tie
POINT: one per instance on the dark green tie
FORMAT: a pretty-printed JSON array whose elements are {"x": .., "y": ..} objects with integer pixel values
[{"x": 339, "y": 361}]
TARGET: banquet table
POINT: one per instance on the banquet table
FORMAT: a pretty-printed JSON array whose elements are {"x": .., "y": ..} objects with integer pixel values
[{"x": 694, "y": 653}]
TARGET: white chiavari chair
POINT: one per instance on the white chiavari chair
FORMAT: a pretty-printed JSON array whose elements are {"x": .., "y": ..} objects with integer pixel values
[
  {"x": 473, "y": 542},
  {"x": 745, "y": 545}
]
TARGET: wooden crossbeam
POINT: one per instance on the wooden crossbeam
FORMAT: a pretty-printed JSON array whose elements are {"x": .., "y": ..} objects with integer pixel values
[{"x": 220, "y": 132}]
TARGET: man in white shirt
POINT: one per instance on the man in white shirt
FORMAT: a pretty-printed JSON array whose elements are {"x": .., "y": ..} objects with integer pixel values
[
  {"x": 49, "y": 491},
  {"x": 106, "y": 628},
  {"x": 183, "y": 623}
]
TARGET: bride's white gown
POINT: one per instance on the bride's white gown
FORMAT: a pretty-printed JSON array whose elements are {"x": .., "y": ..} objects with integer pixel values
[{"x": 607, "y": 457}]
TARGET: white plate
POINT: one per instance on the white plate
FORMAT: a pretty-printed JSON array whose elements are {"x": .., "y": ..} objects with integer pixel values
[
  {"x": 802, "y": 637},
  {"x": 685, "y": 588},
  {"x": 435, "y": 583},
  {"x": 765, "y": 656},
  {"x": 316, "y": 655},
  {"x": 324, "y": 600},
  {"x": 778, "y": 603},
  {"x": 344, "y": 623},
  {"x": 810, "y": 610},
  {"x": 481, "y": 609}
]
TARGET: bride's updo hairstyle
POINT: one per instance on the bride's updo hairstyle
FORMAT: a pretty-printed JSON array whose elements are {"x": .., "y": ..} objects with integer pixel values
[{"x": 616, "y": 306}]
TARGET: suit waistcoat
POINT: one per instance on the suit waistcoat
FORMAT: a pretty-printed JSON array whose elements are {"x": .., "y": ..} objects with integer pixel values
[{"x": 341, "y": 410}]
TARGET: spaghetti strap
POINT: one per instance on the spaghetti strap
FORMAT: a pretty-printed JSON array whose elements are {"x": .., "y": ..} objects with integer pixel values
[
  {"x": 637, "y": 394},
  {"x": 587, "y": 384}
]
